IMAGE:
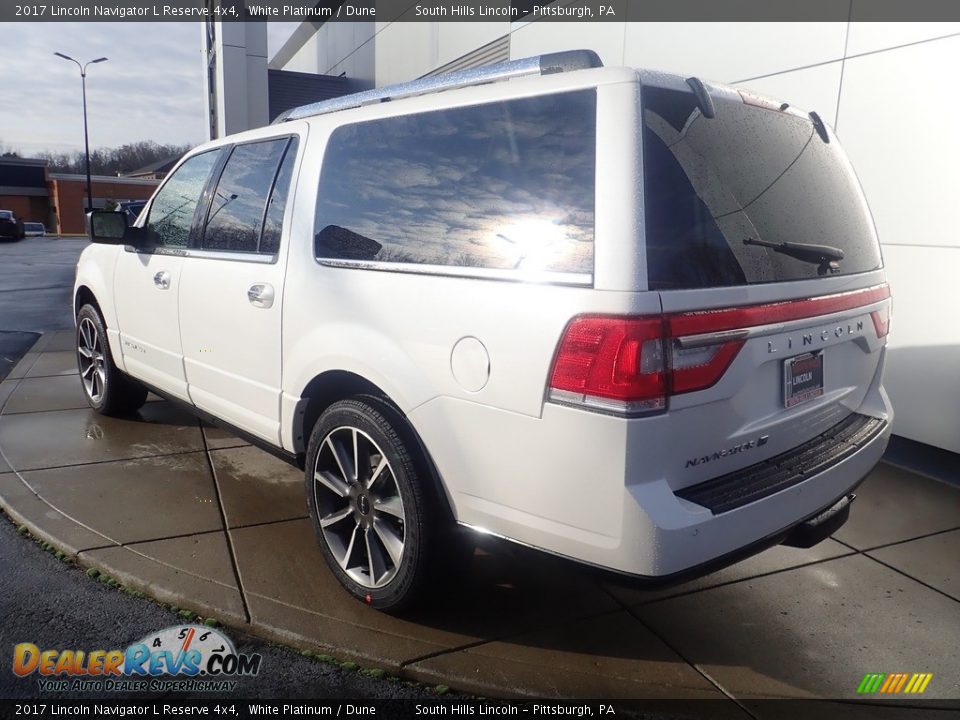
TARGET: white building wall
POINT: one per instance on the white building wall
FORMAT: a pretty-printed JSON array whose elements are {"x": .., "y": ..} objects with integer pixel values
[
  {"x": 339, "y": 48},
  {"x": 240, "y": 57},
  {"x": 890, "y": 91}
]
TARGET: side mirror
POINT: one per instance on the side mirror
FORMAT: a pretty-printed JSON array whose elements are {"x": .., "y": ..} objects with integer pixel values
[{"x": 110, "y": 228}]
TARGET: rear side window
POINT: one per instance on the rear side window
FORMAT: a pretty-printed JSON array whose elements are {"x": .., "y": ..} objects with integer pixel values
[
  {"x": 751, "y": 173},
  {"x": 273, "y": 224},
  {"x": 239, "y": 204},
  {"x": 505, "y": 186},
  {"x": 173, "y": 207}
]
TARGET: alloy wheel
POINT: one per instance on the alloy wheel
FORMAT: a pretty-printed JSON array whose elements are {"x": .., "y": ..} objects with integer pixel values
[
  {"x": 359, "y": 508},
  {"x": 92, "y": 361}
]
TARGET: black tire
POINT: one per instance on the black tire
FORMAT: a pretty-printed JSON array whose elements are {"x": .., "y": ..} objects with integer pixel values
[
  {"x": 107, "y": 389},
  {"x": 370, "y": 566}
]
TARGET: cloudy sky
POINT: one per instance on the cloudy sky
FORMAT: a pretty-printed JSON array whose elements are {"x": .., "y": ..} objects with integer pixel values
[{"x": 151, "y": 88}]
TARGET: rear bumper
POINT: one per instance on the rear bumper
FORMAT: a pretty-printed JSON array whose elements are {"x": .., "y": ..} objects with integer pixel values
[
  {"x": 804, "y": 534},
  {"x": 691, "y": 540}
]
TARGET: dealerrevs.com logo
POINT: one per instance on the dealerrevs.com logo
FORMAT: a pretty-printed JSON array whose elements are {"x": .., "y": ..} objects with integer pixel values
[{"x": 189, "y": 658}]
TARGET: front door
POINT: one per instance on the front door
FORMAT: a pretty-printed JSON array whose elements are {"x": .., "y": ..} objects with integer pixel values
[{"x": 147, "y": 280}]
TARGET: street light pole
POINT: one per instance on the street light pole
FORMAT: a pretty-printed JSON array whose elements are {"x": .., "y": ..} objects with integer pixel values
[{"x": 86, "y": 136}]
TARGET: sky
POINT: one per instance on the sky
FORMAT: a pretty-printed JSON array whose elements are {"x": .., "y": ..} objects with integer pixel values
[{"x": 150, "y": 89}]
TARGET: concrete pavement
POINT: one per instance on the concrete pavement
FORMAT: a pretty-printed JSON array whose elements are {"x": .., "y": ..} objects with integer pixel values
[
  {"x": 36, "y": 275},
  {"x": 194, "y": 516}
]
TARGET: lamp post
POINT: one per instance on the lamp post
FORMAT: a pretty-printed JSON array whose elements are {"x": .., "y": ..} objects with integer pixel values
[{"x": 86, "y": 137}]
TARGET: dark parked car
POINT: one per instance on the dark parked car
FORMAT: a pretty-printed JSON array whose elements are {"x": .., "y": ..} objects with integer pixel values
[{"x": 10, "y": 226}]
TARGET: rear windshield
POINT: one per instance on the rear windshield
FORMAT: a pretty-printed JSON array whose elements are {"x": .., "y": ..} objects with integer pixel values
[
  {"x": 750, "y": 173},
  {"x": 5, "y": 215}
]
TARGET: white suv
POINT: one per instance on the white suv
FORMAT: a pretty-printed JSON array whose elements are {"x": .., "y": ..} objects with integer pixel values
[{"x": 623, "y": 317}]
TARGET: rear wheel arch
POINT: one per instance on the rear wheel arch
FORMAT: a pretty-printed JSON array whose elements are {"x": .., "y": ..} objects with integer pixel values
[{"x": 334, "y": 385}]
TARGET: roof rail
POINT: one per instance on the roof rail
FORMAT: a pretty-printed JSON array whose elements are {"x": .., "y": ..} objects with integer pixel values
[{"x": 539, "y": 65}]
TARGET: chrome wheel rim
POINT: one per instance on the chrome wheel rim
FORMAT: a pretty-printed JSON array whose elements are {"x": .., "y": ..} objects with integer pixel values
[
  {"x": 92, "y": 361},
  {"x": 359, "y": 508}
]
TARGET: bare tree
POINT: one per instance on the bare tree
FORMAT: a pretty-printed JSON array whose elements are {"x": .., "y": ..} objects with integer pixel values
[{"x": 113, "y": 161}]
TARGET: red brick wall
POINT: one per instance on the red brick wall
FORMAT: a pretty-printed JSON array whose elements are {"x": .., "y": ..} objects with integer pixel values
[
  {"x": 67, "y": 197},
  {"x": 20, "y": 204}
]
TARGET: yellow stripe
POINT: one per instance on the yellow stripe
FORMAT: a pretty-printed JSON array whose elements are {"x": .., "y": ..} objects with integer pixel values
[
  {"x": 913, "y": 683},
  {"x": 926, "y": 681},
  {"x": 888, "y": 682},
  {"x": 903, "y": 679}
]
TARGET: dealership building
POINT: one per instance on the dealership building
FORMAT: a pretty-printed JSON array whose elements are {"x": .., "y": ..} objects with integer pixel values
[
  {"x": 885, "y": 87},
  {"x": 58, "y": 200}
]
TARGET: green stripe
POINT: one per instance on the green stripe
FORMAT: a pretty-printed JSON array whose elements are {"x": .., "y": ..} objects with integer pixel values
[
  {"x": 862, "y": 687},
  {"x": 878, "y": 681}
]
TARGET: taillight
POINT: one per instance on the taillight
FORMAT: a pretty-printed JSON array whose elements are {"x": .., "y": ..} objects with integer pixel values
[
  {"x": 881, "y": 319},
  {"x": 611, "y": 362},
  {"x": 630, "y": 364}
]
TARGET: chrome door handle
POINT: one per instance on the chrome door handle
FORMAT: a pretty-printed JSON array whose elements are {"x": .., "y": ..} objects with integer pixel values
[
  {"x": 260, "y": 295},
  {"x": 162, "y": 280}
]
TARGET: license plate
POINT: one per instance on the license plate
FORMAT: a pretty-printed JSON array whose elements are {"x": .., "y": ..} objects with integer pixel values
[{"x": 802, "y": 378}]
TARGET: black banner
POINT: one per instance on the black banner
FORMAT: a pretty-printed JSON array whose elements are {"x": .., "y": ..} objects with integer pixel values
[
  {"x": 321, "y": 11},
  {"x": 472, "y": 708}
]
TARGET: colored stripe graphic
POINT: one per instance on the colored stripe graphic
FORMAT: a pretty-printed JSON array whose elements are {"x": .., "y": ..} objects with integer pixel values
[
  {"x": 894, "y": 683},
  {"x": 870, "y": 683}
]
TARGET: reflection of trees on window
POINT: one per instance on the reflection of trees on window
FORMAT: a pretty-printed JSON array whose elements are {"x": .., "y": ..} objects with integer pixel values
[
  {"x": 506, "y": 185},
  {"x": 237, "y": 212},
  {"x": 172, "y": 210}
]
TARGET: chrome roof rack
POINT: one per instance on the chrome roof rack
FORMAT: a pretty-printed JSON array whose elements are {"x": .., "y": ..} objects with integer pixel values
[{"x": 539, "y": 65}]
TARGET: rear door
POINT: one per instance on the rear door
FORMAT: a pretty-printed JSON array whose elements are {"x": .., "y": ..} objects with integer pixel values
[
  {"x": 769, "y": 350},
  {"x": 232, "y": 290}
]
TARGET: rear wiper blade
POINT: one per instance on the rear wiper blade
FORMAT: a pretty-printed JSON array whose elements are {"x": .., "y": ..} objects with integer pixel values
[{"x": 826, "y": 256}]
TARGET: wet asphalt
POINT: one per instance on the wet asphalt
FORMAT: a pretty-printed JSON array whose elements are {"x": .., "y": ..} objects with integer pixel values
[{"x": 54, "y": 605}]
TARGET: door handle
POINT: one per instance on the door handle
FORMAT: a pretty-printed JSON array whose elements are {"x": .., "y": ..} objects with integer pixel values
[
  {"x": 260, "y": 295},
  {"x": 162, "y": 280}
]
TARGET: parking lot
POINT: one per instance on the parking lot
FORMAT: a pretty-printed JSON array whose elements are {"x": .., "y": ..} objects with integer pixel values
[{"x": 194, "y": 516}]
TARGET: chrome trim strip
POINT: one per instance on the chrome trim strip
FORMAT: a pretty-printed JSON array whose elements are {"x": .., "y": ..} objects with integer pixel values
[
  {"x": 714, "y": 338},
  {"x": 435, "y": 83},
  {"x": 257, "y": 258},
  {"x": 549, "y": 278}
]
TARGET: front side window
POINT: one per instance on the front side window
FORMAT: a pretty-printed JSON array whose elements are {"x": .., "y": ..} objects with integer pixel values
[
  {"x": 173, "y": 207},
  {"x": 238, "y": 204},
  {"x": 505, "y": 186}
]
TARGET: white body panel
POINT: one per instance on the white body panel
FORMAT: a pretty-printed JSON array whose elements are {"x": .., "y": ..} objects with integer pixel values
[
  {"x": 231, "y": 347},
  {"x": 146, "y": 297}
]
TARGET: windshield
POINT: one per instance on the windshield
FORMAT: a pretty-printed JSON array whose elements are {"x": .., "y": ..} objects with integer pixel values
[
  {"x": 6, "y": 215},
  {"x": 753, "y": 172}
]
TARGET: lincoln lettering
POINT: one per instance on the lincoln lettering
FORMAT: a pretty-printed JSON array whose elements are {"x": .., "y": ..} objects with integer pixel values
[{"x": 790, "y": 342}]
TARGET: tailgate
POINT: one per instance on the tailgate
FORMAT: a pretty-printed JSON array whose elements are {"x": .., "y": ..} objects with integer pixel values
[
  {"x": 801, "y": 366},
  {"x": 760, "y": 243}
]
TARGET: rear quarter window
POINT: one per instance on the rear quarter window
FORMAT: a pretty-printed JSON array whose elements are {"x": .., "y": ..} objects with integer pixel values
[{"x": 505, "y": 186}]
